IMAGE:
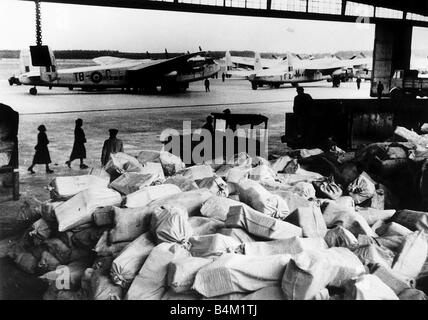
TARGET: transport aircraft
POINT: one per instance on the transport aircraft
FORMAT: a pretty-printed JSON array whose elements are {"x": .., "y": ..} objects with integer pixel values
[{"x": 171, "y": 74}]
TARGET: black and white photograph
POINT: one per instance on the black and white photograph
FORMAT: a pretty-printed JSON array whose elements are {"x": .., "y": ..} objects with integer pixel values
[{"x": 215, "y": 153}]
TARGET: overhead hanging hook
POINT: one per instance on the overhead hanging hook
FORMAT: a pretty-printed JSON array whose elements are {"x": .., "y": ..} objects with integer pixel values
[{"x": 38, "y": 24}]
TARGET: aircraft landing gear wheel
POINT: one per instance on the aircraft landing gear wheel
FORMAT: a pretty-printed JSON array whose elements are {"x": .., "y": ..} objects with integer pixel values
[
  {"x": 33, "y": 91},
  {"x": 294, "y": 84},
  {"x": 70, "y": 88},
  {"x": 253, "y": 86},
  {"x": 10, "y": 82}
]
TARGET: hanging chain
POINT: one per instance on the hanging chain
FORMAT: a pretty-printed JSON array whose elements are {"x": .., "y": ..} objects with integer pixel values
[{"x": 38, "y": 24}]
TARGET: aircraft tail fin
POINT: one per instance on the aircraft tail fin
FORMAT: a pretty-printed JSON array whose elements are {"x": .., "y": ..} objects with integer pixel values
[
  {"x": 25, "y": 63},
  {"x": 228, "y": 58},
  {"x": 257, "y": 62}
]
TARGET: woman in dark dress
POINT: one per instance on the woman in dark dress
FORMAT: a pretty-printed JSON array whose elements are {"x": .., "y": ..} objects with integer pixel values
[
  {"x": 42, "y": 152},
  {"x": 79, "y": 150}
]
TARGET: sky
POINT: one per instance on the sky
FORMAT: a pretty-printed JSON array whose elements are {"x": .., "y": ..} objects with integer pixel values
[{"x": 66, "y": 27}]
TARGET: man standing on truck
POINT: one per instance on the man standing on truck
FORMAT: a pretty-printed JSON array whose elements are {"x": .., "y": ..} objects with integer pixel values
[
  {"x": 380, "y": 88},
  {"x": 302, "y": 109}
]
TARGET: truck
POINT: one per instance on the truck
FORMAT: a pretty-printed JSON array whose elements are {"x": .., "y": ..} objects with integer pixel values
[{"x": 408, "y": 83}]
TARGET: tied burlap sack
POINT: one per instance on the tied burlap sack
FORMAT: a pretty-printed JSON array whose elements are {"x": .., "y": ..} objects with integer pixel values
[
  {"x": 126, "y": 266},
  {"x": 155, "y": 169},
  {"x": 99, "y": 286},
  {"x": 362, "y": 189},
  {"x": 198, "y": 172},
  {"x": 309, "y": 272},
  {"x": 145, "y": 195},
  {"x": 374, "y": 254},
  {"x": 170, "y": 224},
  {"x": 185, "y": 184},
  {"x": 66, "y": 187},
  {"x": 232, "y": 273},
  {"x": 327, "y": 189},
  {"x": 212, "y": 245},
  {"x": 310, "y": 219},
  {"x": 291, "y": 246},
  {"x": 79, "y": 209},
  {"x": 256, "y": 196},
  {"x": 105, "y": 248},
  {"x": 340, "y": 237},
  {"x": 260, "y": 225},
  {"x": 262, "y": 173},
  {"x": 171, "y": 164},
  {"x": 348, "y": 218},
  {"x": 182, "y": 272},
  {"x": 217, "y": 207},
  {"x": 279, "y": 164},
  {"x": 130, "y": 182},
  {"x": 48, "y": 262},
  {"x": 392, "y": 229},
  {"x": 216, "y": 185},
  {"x": 191, "y": 200},
  {"x": 202, "y": 226},
  {"x": 40, "y": 230},
  {"x": 129, "y": 223},
  {"x": 368, "y": 287},
  {"x": 414, "y": 220},
  {"x": 120, "y": 163},
  {"x": 412, "y": 255},
  {"x": 151, "y": 281},
  {"x": 373, "y": 215}
]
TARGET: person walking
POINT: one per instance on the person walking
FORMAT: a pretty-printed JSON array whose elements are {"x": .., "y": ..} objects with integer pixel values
[
  {"x": 111, "y": 145},
  {"x": 358, "y": 83},
  {"x": 79, "y": 150},
  {"x": 207, "y": 85},
  {"x": 380, "y": 88},
  {"x": 42, "y": 155},
  {"x": 223, "y": 77}
]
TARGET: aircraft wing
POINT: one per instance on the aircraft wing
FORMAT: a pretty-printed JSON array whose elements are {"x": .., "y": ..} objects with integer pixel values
[
  {"x": 108, "y": 60},
  {"x": 158, "y": 68}
]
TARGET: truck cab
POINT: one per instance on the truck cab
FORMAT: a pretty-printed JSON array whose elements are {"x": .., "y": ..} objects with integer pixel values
[{"x": 407, "y": 83}]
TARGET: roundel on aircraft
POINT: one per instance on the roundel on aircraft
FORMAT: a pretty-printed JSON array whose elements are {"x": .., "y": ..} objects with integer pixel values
[{"x": 96, "y": 77}]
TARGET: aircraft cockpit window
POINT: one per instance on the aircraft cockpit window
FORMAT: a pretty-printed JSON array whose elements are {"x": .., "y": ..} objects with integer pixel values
[
  {"x": 27, "y": 68},
  {"x": 48, "y": 69}
]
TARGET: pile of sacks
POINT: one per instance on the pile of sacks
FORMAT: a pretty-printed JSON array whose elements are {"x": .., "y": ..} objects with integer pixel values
[{"x": 148, "y": 227}]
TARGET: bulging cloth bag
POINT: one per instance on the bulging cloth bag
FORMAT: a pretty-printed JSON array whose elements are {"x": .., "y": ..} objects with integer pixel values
[
  {"x": 203, "y": 226},
  {"x": 260, "y": 225},
  {"x": 129, "y": 223},
  {"x": 309, "y": 272},
  {"x": 145, "y": 195},
  {"x": 66, "y": 187},
  {"x": 217, "y": 207},
  {"x": 327, "y": 189},
  {"x": 185, "y": 184},
  {"x": 151, "y": 281},
  {"x": 198, "y": 172},
  {"x": 310, "y": 219},
  {"x": 191, "y": 200},
  {"x": 414, "y": 220},
  {"x": 216, "y": 185},
  {"x": 121, "y": 162},
  {"x": 412, "y": 255},
  {"x": 182, "y": 272},
  {"x": 170, "y": 224},
  {"x": 293, "y": 245},
  {"x": 239, "y": 273},
  {"x": 368, "y": 287},
  {"x": 126, "y": 266},
  {"x": 79, "y": 209},
  {"x": 212, "y": 245},
  {"x": 171, "y": 164},
  {"x": 130, "y": 182},
  {"x": 362, "y": 188},
  {"x": 256, "y": 196},
  {"x": 340, "y": 237}
]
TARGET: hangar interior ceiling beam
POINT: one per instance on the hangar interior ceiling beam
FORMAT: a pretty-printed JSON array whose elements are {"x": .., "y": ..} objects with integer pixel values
[{"x": 413, "y": 12}]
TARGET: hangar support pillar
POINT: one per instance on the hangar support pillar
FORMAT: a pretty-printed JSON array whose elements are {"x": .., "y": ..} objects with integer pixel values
[{"x": 392, "y": 50}]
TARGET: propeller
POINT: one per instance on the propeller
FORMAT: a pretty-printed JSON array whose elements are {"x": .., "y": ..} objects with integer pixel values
[{"x": 166, "y": 53}]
